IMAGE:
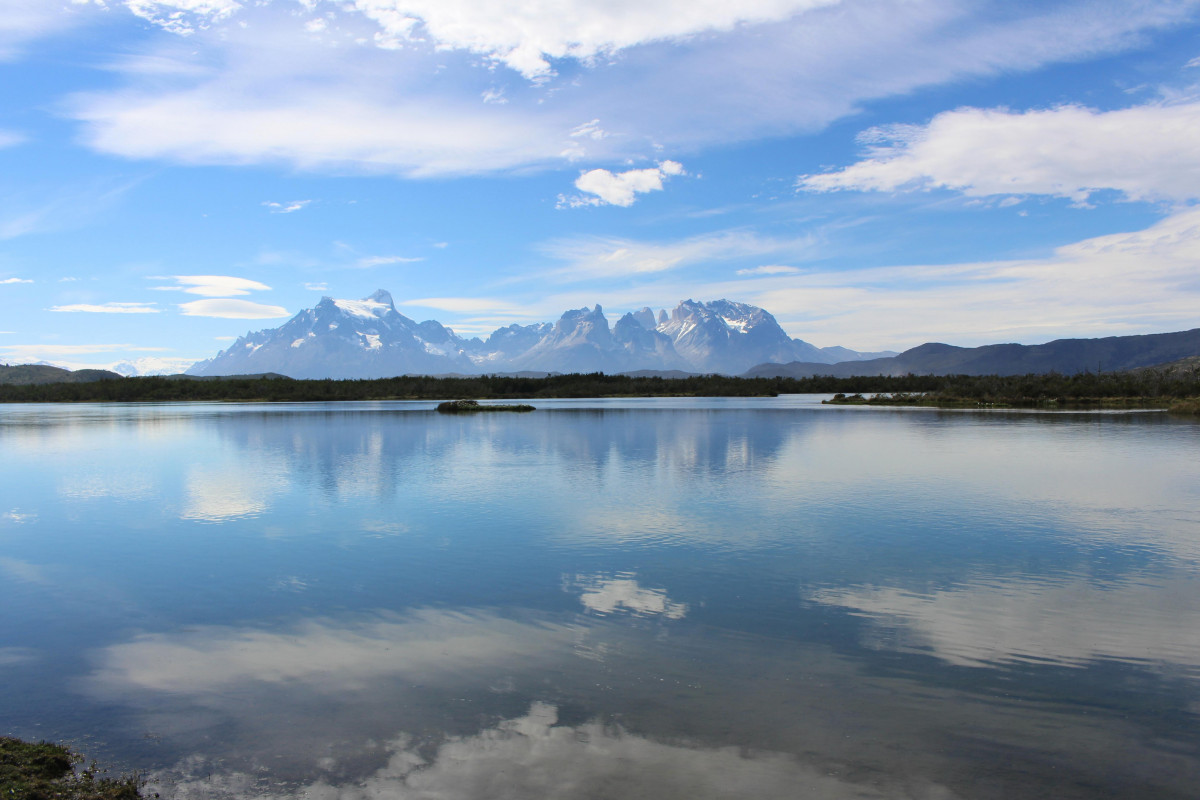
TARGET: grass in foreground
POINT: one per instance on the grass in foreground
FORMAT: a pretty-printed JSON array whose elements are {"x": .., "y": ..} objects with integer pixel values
[{"x": 45, "y": 771}]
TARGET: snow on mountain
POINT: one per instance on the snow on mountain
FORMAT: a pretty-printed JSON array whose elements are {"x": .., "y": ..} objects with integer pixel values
[
  {"x": 344, "y": 339},
  {"x": 151, "y": 365},
  {"x": 723, "y": 335},
  {"x": 368, "y": 338}
]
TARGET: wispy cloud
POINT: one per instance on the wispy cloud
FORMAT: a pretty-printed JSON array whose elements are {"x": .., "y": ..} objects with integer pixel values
[
  {"x": 232, "y": 309},
  {"x": 212, "y": 285},
  {"x": 5, "y": 281},
  {"x": 382, "y": 261},
  {"x": 1136, "y": 282},
  {"x": 1148, "y": 152},
  {"x": 770, "y": 269},
  {"x": 608, "y": 257},
  {"x": 272, "y": 92},
  {"x": 109, "y": 308},
  {"x": 9, "y": 138},
  {"x": 620, "y": 188},
  {"x": 465, "y": 305},
  {"x": 286, "y": 208},
  {"x": 317, "y": 287},
  {"x": 48, "y": 351}
]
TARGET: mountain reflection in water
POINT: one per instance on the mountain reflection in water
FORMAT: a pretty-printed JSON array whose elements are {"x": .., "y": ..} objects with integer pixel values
[{"x": 675, "y": 598}]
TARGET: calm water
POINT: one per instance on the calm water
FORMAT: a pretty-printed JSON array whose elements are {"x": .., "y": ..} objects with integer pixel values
[{"x": 635, "y": 598}]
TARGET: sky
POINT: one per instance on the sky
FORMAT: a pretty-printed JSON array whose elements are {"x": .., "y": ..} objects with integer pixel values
[{"x": 875, "y": 173}]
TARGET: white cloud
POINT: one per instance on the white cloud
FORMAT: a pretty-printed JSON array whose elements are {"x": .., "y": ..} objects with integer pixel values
[
  {"x": 1148, "y": 152},
  {"x": 317, "y": 287},
  {"x": 381, "y": 261},
  {"x": 49, "y": 352},
  {"x": 769, "y": 269},
  {"x": 525, "y": 36},
  {"x": 607, "y": 257},
  {"x": 109, "y": 308},
  {"x": 214, "y": 285},
  {"x": 232, "y": 309},
  {"x": 24, "y": 21},
  {"x": 9, "y": 139},
  {"x": 14, "y": 280},
  {"x": 286, "y": 208},
  {"x": 620, "y": 189},
  {"x": 263, "y": 90},
  {"x": 152, "y": 365},
  {"x": 1136, "y": 282},
  {"x": 183, "y": 17}
]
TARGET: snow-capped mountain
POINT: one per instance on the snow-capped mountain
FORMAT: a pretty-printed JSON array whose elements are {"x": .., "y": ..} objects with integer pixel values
[
  {"x": 368, "y": 339},
  {"x": 364, "y": 338}
]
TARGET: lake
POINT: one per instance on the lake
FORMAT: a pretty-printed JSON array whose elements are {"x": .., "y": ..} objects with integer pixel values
[{"x": 662, "y": 598}]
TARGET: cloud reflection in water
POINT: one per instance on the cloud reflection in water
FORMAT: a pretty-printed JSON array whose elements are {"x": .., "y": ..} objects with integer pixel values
[
  {"x": 534, "y": 757},
  {"x": 1069, "y": 621}
]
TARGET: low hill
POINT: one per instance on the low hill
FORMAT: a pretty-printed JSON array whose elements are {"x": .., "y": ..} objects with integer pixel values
[
  {"x": 30, "y": 374},
  {"x": 1064, "y": 356}
]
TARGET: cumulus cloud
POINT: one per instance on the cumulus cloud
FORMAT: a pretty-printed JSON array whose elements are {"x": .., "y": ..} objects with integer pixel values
[
  {"x": 286, "y": 208},
  {"x": 232, "y": 309},
  {"x": 109, "y": 308},
  {"x": 214, "y": 285},
  {"x": 14, "y": 280},
  {"x": 620, "y": 189},
  {"x": 527, "y": 36},
  {"x": 1147, "y": 152}
]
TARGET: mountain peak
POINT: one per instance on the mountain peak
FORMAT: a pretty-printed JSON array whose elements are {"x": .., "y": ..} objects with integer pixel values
[{"x": 382, "y": 296}]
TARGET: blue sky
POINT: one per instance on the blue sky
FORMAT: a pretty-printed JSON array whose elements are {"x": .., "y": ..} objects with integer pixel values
[{"x": 875, "y": 173}]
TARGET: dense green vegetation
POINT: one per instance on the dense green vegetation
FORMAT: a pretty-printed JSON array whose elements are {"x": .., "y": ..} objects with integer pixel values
[
  {"x": 1177, "y": 390},
  {"x": 45, "y": 771},
  {"x": 1153, "y": 388},
  {"x": 409, "y": 387}
]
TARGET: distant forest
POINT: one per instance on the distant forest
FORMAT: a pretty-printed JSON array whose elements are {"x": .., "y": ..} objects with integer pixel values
[{"x": 1154, "y": 388}]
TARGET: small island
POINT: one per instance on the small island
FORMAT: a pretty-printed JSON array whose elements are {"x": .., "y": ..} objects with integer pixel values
[{"x": 472, "y": 406}]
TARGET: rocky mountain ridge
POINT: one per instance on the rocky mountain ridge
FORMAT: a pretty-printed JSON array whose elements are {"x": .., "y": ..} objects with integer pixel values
[{"x": 368, "y": 338}]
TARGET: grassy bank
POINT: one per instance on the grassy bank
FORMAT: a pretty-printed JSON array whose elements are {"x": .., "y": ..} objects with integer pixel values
[{"x": 44, "y": 771}]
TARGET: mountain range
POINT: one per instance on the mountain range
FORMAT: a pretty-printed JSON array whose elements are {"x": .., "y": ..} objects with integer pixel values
[
  {"x": 368, "y": 338},
  {"x": 1066, "y": 356}
]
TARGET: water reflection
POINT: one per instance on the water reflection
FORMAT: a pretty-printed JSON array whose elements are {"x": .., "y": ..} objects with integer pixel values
[
  {"x": 1068, "y": 621},
  {"x": 605, "y": 594},
  {"x": 533, "y": 756},
  {"x": 669, "y": 599}
]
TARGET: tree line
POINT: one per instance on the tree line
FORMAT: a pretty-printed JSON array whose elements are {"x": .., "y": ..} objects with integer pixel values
[{"x": 1147, "y": 385}]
